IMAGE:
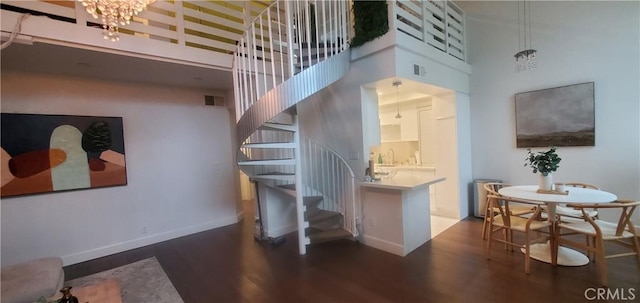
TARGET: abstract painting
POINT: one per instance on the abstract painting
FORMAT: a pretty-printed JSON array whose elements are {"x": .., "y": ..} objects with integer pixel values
[
  {"x": 50, "y": 153},
  {"x": 559, "y": 116}
]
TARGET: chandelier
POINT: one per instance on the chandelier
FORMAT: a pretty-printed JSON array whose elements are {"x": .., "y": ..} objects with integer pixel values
[
  {"x": 526, "y": 57},
  {"x": 114, "y": 13}
]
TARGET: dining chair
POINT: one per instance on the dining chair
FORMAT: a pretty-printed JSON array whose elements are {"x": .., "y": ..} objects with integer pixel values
[
  {"x": 516, "y": 210},
  {"x": 599, "y": 231},
  {"x": 571, "y": 214},
  {"x": 506, "y": 222}
]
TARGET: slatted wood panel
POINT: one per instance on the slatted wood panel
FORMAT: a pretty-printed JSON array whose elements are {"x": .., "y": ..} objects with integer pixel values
[
  {"x": 439, "y": 24},
  {"x": 455, "y": 31},
  {"x": 57, "y": 8},
  {"x": 211, "y": 25}
]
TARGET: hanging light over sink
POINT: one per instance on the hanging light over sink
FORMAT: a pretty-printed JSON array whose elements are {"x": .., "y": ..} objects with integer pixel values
[{"x": 397, "y": 85}]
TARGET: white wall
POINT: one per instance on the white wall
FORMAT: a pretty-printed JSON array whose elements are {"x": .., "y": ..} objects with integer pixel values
[
  {"x": 333, "y": 117},
  {"x": 577, "y": 42},
  {"x": 179, "y": 171}
]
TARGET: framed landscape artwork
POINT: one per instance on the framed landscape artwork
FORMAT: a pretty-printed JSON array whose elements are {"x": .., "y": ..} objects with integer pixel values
[
  {"x": 560, "y": 116},
  {"x": 50, "y": 153}
]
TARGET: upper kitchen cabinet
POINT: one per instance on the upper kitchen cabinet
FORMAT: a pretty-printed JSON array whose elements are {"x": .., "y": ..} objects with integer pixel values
[{"x": 405, "y": 128}]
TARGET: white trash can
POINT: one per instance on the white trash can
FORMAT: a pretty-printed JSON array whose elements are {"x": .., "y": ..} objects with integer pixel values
[{"x": 480, "y": 196}]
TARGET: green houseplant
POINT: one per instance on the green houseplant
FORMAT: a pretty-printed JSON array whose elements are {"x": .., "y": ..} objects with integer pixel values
[{"x": 544, "y": 162}]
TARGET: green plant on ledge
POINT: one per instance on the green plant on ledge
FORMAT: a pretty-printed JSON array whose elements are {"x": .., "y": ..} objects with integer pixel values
[
  {"x": 370, "y": 21},
  {"x": 544, "y": 161}
]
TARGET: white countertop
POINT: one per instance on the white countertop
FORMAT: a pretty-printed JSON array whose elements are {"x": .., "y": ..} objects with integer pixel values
[
  {"x": 392, "y": 167},
  {"x": 403, "y": 182}
]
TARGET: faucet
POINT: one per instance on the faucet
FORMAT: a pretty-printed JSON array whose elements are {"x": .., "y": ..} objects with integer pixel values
[{"x": 391, "y": 155}]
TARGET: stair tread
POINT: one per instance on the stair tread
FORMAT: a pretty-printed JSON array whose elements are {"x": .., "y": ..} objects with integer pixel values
[
  {"x": 256, "y": 160},
  {"x": 274, "y": 142},
  {"x": 278, "y": 173},
  {"x": 321, "y": 215},
  {"x": 284, "y": 144},
  {"x": 287, "y": 161},
  {"x": 279, "y": 123},
  {"x": 288, "y": 186},
  {"x": 329, "y": 235},
  {"x": 278, "y": 127},
  {"x": 311, "y": 201}
]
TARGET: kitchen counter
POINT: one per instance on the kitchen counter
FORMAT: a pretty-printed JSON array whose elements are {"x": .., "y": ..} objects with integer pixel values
[
  {"x": 403, "y": 182},
  {"x": 392, "y": 167},
  {"x": 396, "y": 213}
]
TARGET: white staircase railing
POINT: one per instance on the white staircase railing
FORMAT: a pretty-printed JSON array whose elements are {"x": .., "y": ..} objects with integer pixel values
[
  {"x": 288, "y": 39},
  {"x": 289, "y": 51},
  {"x": 327, "y": 174}
]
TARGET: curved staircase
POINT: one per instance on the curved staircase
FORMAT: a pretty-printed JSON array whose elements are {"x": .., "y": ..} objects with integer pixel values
[{"x": 290, "y": 51}]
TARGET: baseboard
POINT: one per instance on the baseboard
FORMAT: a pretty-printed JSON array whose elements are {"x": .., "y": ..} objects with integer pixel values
[
  {"x": 240, "y": 216},
  {"x": 144, "y": 241},
  {"x": 387, "y": 246}
]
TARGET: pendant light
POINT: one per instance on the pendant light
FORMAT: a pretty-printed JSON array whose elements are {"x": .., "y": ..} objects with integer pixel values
[
  {"x": 397, "y": 85},
  {"x": 526, "y": 57}
]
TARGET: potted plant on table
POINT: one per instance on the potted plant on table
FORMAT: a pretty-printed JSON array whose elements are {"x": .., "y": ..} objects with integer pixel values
[{"x": 543, "y": 162}]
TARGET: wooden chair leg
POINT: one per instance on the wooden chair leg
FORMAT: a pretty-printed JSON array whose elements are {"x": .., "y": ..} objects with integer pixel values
[
  {"x": 589, "y": 253},
  {"x": 484, "y": 227},
  {"x": 554, "y": 244},
  {"x": 636, "y": 249},
  {"x": 489, "y": 240},
  {"x": 486, "y": 224},
  {"x": 527, "y": 254},
  {"x": 602, "y": 265}
]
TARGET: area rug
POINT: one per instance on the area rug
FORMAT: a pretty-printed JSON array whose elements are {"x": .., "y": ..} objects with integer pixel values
[{"x": 141, "y": 282}]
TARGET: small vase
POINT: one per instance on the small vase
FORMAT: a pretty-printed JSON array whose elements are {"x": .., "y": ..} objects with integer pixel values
[{"x": 545, "y": 182}]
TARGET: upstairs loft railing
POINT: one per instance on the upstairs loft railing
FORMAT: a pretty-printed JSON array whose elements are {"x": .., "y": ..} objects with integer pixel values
[
  {"x": 286, "y": 39},
  {"x": 439, "y": 24},
  {"x": 214, "y": 26}
]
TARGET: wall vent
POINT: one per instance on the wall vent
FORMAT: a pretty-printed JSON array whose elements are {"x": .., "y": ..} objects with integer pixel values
[
  {"x": 419, "y": 70},
  {"x": 214, "y": 100}
]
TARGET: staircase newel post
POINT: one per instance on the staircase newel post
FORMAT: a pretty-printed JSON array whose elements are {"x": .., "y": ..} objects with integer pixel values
[{"x": 302, "y": 238}]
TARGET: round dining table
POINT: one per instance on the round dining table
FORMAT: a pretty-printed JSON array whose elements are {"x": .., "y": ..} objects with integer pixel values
[{"x": 542, "y": 251}]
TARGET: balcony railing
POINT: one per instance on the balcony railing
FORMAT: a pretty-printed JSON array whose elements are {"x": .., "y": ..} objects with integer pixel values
[
  {"x": 211, "y": 26},
  {"x": 439, "y": 24}
]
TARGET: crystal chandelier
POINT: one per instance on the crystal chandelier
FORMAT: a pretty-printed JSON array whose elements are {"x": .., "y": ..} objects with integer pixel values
[
  {"x": 114, "y": 13},
  {"x": 526, "y": 58}
]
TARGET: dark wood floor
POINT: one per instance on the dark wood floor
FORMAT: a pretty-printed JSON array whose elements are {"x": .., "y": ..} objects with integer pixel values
[{"x": 227, "y": 265}]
